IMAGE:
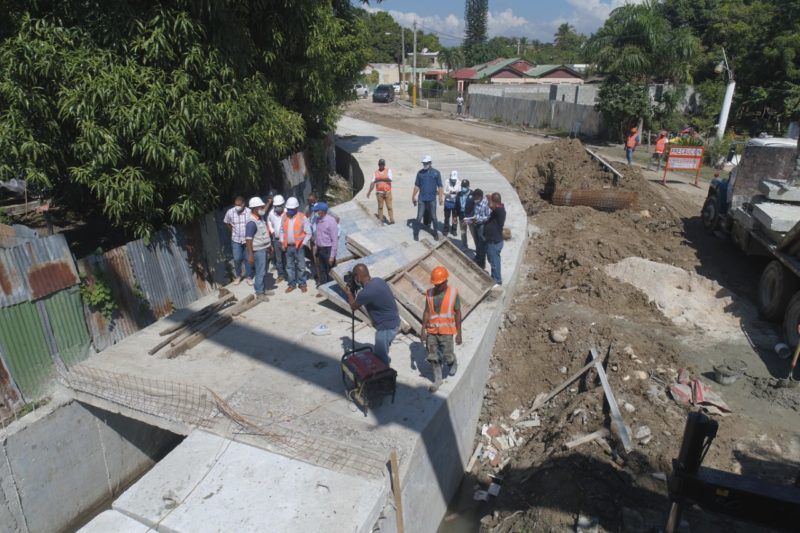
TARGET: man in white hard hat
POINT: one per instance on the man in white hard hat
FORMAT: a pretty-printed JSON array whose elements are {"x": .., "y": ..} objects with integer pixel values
[
  {"x": 295, "y": 234},
  {"x": 258, "y": 243},
  {"x": 451, "y": 190},
  {"x": 275, "y": 221},
  {"x": 428, "y": 186}
]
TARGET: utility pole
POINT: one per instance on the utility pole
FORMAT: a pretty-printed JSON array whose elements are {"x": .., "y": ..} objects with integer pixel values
[
  {"x": 402, "y": 58},
  {"x": 726, "y": 103},
  {"x": 517, "y": 46},
  {"x": 414, "y": 70}
]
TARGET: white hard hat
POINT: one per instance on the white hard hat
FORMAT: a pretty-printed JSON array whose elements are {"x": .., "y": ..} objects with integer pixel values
[
  {"x": 427, "y": 159},
  {"x": 278, "y": 200},
  {"x": 292, "y": 203},
  {"x": 454, "y": 175},
  {"x": 254, "y": 202}
]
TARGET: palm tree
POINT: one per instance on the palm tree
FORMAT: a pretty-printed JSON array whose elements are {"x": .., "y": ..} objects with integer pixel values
[{"x": 451, "y": 58}]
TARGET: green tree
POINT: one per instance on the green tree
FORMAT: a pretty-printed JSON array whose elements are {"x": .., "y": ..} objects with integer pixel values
[
  {"x": 451, "y": 58},
  {"x": 568, "y": 44},
  {"x": 623, "y": 104},
  {"x": 476, "y": 17},
  {"x": 150, "y": 111}
]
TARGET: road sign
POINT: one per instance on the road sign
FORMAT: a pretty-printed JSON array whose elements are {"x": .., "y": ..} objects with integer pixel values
[{"x": 684, "y": 158}]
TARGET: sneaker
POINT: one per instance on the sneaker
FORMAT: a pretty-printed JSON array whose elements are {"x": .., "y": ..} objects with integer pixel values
[
  {"x": 436, "y": 237},
  {"x": 391, "y": 222},
  {"x": 303, "y": 289},
  {"x": 453, "y": 368},
  {"x": 237, "y": 281},
  {"x": 289, "y": 289},
  {"x": 262, "y": 298},
  {"x": 251, "y": 281}
]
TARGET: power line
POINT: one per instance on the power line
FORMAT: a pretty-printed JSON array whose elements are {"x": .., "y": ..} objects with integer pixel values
[{"x": 437, "y": 32}]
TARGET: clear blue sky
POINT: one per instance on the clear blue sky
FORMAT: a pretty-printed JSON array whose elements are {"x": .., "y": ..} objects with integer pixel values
[{"x": 534, "y": 19}]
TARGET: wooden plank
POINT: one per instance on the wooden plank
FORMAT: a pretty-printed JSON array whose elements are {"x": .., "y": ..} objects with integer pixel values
[
  {"x": 605, "y": 163},
  {"x": 474, "y": 459},
  {"x": 201, "y": 314},
  {"x": 398, "y": 499},
  {"x": 617, "y": 423},
  {"x": 600, "y": 433},
  {"x": 540, "y": 401},
  {"x": 198, "y": 337}
]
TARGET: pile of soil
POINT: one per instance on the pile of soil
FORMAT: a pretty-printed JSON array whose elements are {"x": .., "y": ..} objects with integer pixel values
[{"x": 638, "y": 319}]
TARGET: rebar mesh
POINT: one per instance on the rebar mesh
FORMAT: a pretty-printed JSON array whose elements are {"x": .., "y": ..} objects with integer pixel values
[{"x": 599, "y": 199}]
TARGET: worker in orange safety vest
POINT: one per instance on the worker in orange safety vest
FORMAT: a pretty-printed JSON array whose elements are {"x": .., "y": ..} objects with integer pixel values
[
  {"x": 630, "y": 145},
  {"x": 441, "y": 325},
  {"x": 296, "y": 232},
  {"x": 661, "y": 147},
  {"x": 382, "y": 184}
]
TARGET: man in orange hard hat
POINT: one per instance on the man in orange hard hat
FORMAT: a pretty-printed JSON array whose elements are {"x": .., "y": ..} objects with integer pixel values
[
  {"x": 441, "y": 325},
  {"x": 630, "y": 145}
]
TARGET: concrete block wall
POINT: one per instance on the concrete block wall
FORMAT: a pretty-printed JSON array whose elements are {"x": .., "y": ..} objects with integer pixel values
[{"x": 54, "y": 471}]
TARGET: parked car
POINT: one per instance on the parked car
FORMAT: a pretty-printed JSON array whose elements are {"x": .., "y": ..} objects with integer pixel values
[
  {"x": 383, "y": 93},
  {"x": 361, "y": 90}
]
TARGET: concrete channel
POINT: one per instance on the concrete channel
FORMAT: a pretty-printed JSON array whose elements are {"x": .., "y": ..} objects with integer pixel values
[{"x": 305, "y": 459}]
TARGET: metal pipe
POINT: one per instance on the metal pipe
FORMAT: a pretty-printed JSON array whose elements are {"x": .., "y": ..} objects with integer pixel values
[{"x": 414, "y": 70}]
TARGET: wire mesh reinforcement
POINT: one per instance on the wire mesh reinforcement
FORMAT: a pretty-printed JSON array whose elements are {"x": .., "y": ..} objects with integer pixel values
[
  {"x": 200, "y": 407},
  {"x": 599, "y": 199}
]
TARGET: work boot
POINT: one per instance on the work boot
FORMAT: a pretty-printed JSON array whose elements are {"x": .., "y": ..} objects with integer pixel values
[
  {"x": 453, "y": 230},
  {"x": 437, "y": 377},
  {"x": 453, "y": 368}
]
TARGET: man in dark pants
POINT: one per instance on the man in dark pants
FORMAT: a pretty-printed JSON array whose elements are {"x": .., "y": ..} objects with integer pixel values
[
  {"x": 326, "y": 241},
  {"x": 381, "y": 306},
  {"x": 478, "y": 221},
  {"x": 465, "y": 208},
  {"x": 493, "y": 234},
  {"x": 441, "y": 325},
  {"x": 428, "y": 186}
]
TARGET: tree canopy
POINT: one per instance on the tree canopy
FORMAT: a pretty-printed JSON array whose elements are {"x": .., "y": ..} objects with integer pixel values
[
  {"x": 476, "y": 18},
  {"x": 149, "y": 111}
]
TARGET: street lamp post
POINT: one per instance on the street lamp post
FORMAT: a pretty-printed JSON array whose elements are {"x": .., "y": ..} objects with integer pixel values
[
  {"x": 728, "y": 100},
  {"x": 402, "y": 57}
]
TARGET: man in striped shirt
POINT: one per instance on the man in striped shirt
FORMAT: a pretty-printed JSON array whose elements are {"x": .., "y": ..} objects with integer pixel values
[
  {"x": 479, "y": 219},
  {"x": 235, "y": 220}
]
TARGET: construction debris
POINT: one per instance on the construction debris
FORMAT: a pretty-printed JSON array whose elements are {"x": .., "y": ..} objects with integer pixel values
[
  {"x": 600, "y": 433},
  {"x": 617, "y": 424}
]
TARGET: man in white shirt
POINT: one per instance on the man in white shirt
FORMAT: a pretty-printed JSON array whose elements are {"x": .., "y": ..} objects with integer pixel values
[
  {"x": 459, "y": 105},
  {"x": 452, "y": 188},
  {"x": 275, "y": 223},
  {"x": 235, "y": 220}
]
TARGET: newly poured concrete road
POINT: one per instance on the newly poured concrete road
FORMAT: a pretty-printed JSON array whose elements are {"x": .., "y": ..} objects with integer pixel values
[{"x": 307, "y": 459}]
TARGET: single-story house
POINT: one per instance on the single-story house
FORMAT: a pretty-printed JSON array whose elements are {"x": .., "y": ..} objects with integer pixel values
[{"x": 516, "y": 70}]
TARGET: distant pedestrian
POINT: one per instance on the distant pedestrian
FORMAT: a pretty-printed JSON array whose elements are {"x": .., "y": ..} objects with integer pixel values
[
  {"x": 460, "y": 105},
  {"x": 378, "y": 299},
  {"x": 493, "y": 233},
  {"x": 428, "y": 186},
  {"x": 465, "y": 208},
  {"x": 451, "y": 190},
  {"x": 441, "y": 325},
  {"x": 478, "y": 220},
  {"x": 235, "y": 220},
  {"x": 382, "y": 184},
  {"x": 275, "y": 222},
  {"x": 295, "y": 235},
  {"x": 258, "y": 244},
  {"x": 326, "y": 238},
  {"x": 661, "y": 146},
  {"x": 630, "y": 145}
]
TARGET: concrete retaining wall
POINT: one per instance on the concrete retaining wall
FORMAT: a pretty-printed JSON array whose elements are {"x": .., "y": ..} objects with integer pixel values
[{"x": 56, "y": 470}]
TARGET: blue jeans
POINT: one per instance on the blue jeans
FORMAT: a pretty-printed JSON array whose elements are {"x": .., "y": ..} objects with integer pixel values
[
  {"x": 383, "y": 340},
  {"x": 480, "y": 246},
  {"x": 280, "y": 258},
  {"x": 493, "y": 250},
  {"x": 239, "y": 257},
  {"x": 629, "y": 155},
  {"x": 261, "y": 269},
  {"x": 296, "y": 266},
  {"x": 430, "y": 207}
]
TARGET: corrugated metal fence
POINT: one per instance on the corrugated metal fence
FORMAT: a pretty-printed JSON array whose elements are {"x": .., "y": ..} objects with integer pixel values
[{"x": 44, "y": 322}]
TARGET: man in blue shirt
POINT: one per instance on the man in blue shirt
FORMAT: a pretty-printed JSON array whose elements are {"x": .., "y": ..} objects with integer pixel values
[
  {"x": 428, "y": 186},
  {"x": 376, "y": 296}
]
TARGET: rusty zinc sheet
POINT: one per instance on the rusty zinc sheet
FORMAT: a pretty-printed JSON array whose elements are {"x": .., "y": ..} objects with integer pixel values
[
  {"x": 216, "y": 247},
  {"x": 35, "y": 269},
  {"x": 189, "y": 239},
  {"x": 147, "y": 270},
  {"x": 174, "y": 263},
  {"x": 10, "y": 398},
  {"x": 67, "y": 331},
  {"x": 133, "y": 310}
]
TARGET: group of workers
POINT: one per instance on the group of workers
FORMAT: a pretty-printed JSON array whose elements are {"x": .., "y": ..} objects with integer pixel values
[
  {"x": 633, "y": 140},
  {"x": 278, "y": 231}
]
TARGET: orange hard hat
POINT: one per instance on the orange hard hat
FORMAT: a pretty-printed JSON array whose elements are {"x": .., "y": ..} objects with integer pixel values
[
  {"x": 439, "y": 275},
  {"x": 634, "y": 130}
]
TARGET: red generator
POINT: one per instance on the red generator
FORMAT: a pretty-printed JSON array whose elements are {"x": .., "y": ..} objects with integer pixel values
[{"x": 366, "y": 378}]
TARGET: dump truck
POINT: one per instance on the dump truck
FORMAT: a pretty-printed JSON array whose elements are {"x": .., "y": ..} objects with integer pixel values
[{"x": 758, "y": 207}]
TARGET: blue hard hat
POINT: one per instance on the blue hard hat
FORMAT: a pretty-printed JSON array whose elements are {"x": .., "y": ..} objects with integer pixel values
[{"x": 320, "y": 206}]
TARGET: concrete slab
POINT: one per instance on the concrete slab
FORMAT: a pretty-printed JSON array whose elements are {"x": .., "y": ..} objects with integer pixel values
[
  {"x": 780, "y": 190},
  {"x": 117, "y": 522},
  {"x": 209, "y": 483},
  {"x": 777, "y": 217}
]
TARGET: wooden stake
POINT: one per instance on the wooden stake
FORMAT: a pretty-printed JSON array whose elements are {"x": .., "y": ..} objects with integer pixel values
[
  {"x": 617, "y": 423},
  {"x": 398, "y": 501},
  {"x": 200, "y": 315},
  {"x": 198, "y": 337},
  {"x": 537, "y": 403},
  {"x": 600, "y": 433}
]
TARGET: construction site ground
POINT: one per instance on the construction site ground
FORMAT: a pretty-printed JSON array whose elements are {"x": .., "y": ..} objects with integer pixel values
[{"x": 651, "y": 290}]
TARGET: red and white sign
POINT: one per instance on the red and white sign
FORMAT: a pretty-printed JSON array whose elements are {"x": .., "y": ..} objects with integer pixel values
[{"x": 684, "y": 158}]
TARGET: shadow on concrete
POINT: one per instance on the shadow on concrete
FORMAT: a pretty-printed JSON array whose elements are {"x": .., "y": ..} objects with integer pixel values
[{"x": 723, "y": 262}]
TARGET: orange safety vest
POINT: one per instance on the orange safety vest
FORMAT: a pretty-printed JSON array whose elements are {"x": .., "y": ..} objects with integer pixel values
[
  {"x": 660, "y": 145},
  {"x": 443, "y": 322},
  {"x": 382, "y": 181},
  {"x": 294, "y": 232},
  {"x": 631, "y": 141}
]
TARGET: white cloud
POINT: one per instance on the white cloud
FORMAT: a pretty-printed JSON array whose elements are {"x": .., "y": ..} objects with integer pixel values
[{"x": 588, "y": 15}]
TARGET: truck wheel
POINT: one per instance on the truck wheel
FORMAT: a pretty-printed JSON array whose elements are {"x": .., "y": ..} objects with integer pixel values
[
  {"x": 791, "y": 321},
  {"x": 776, "y": 285},
  {"x": 710, "y": 214}
]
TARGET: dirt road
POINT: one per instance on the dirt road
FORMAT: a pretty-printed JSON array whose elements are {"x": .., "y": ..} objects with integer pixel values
[{"x": 654, "y": 293}]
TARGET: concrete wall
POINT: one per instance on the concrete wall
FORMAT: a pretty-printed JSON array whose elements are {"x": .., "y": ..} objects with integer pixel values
[{"x": 54, "y": 471}]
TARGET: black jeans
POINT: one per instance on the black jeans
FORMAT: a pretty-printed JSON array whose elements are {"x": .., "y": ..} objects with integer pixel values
[
  {"x": 448, "y": 213},
  {"x": 323, "y": 267},
  {"x": 480, "y": 246},
  {"x": 422, "y": 208}
]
